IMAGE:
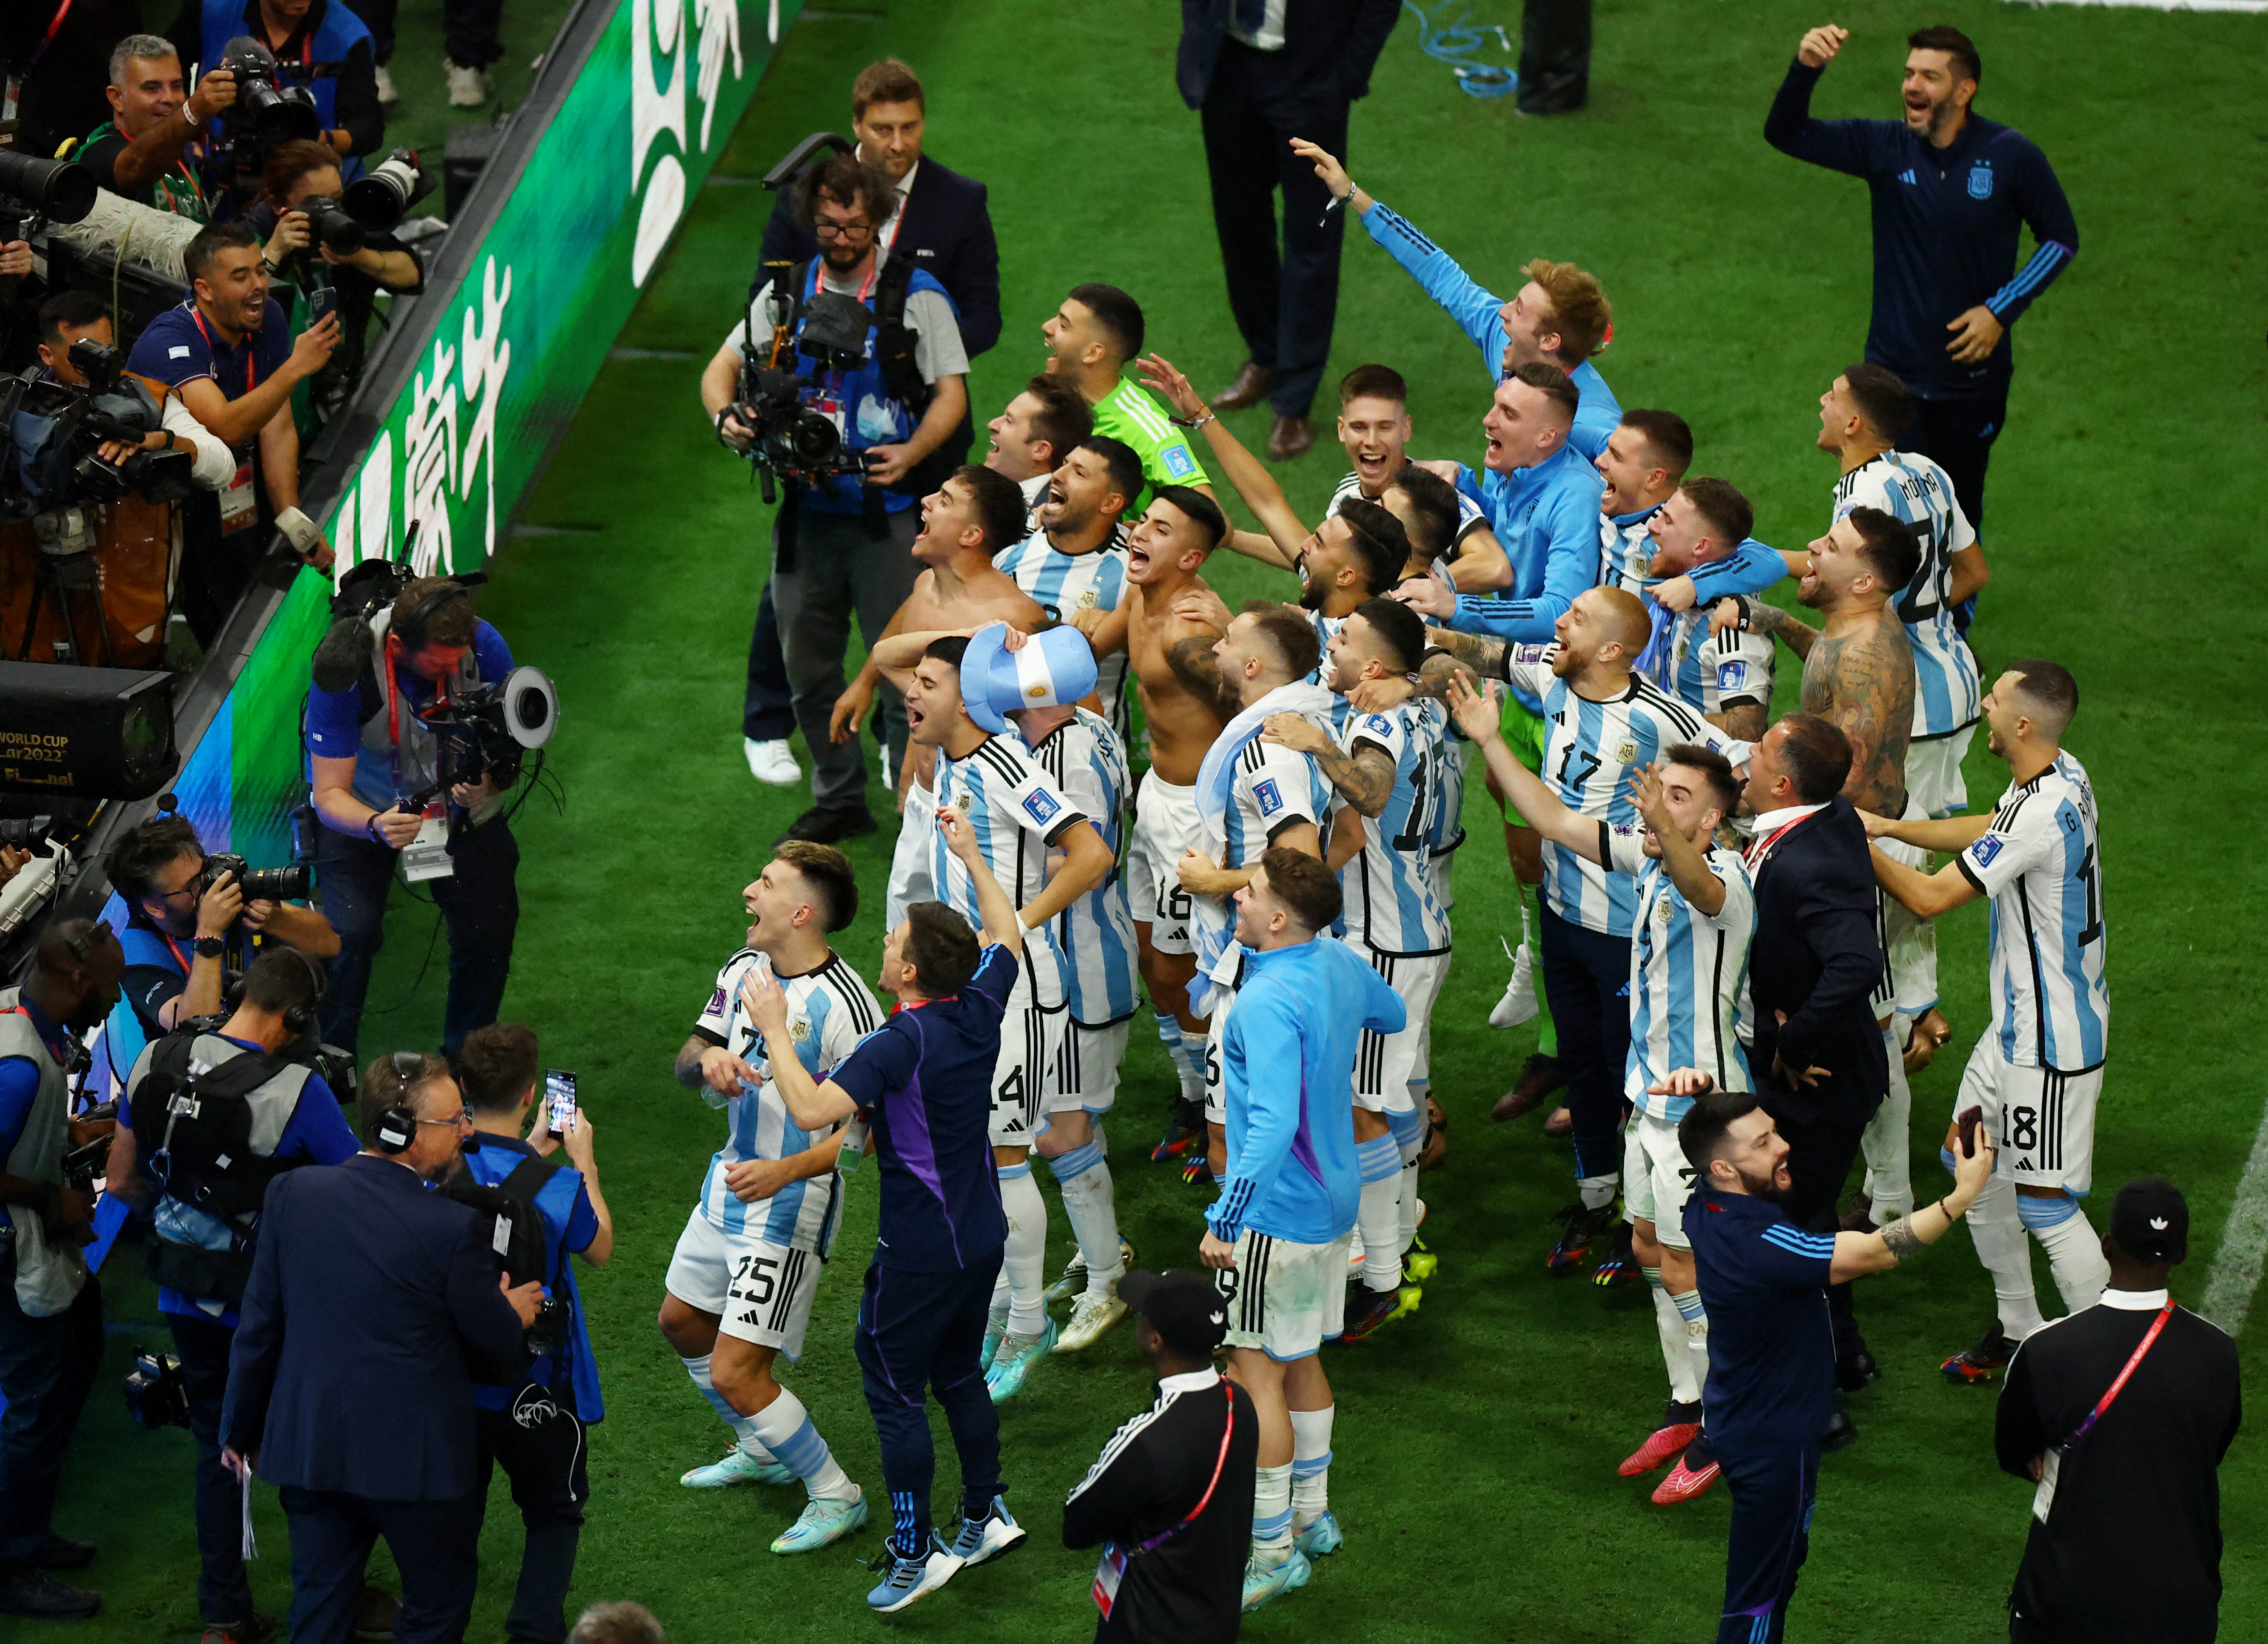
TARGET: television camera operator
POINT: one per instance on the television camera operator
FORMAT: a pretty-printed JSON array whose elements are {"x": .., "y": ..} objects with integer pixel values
[
  {"x": 315, "y": 245},
  {"x": 229, "y": 352},
  {"x": 386, "y": 759},
  {"x": 187, "y": 909},
  {"x": 373, "y": 1307},
  {"x": 50, "y": 1305},
  {"x": 318, "y": 46},
  {"x": 849, "y": 402},
  {"x": 214, "y": 1113},
  {"x": 141, "y": 151}
]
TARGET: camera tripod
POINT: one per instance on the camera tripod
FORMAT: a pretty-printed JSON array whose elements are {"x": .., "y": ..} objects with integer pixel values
[{"x": 64, "y": 575}]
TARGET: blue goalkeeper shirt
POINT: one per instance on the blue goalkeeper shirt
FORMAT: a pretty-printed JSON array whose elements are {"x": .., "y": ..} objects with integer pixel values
[
  {"x": 1287, "y": 1073},
  {"x": 1945, "y": 223}
]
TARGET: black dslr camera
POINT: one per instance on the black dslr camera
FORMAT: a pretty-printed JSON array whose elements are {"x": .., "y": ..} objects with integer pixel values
[
  {"x": 155, "y": 1396},
  {"x": 270, "y": 111},
  {"x": 51, "y": 432},
  {"x": 258, "y": 884}
]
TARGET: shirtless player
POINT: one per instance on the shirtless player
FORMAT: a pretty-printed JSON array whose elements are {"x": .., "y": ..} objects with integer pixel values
[
  {"x": 1178, "y": 679},
  {"x": 975, "y": 514}
]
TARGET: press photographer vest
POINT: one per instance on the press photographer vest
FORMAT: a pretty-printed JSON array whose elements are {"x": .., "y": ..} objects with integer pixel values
[
  {"x": 881, "y": 402},
  {"x": 209, "y": 1115},
  {"x": 389, "y": 723},
  {"x": 48, "y": 1268},
  {"x": 327, "y": 42}
]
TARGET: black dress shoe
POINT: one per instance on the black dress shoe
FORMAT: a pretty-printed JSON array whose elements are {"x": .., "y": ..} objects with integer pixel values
[
  {"x": 1857, "y": 1371},
  {"x": 829, "y": 824},
  {"x": 1842, "y": 1432},
  {"x": 1247, "y": 387},
  {"x": 25, "y": 1591},
  {"x": 60, "y": 1552}
]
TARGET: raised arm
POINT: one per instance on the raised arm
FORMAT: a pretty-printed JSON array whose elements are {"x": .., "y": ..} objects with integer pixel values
[
  {"x": 1477, "y": 713},
  {"x": 1002, "y": 926},
  {"x": 813, "y": 1106},
  {"x": 1761, "y": 618},
  {"x": 1688, "y": 869},
  {"x": 1364, "y": 777},
  {"x": 1858, "y": 1254},
  {"x": 1244, "y": 471},
  {"x": 1838, "y": 144}
]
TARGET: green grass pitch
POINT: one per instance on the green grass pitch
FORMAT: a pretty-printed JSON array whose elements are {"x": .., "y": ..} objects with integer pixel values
[{"x": 1477, "y": 1443}]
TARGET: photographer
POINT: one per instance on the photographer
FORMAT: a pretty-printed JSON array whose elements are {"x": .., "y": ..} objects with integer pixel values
[
  {"x": 308, "y": 38},
  {"x": 228, "y": 353},
  {"x": 181, "y": 916},
  {"x": 50, "y": 1305},
  {"x": 72, "y": 316},
  {"x": 370, "y": 752},
  {"x": 841, "y": 545},
  {"x": 300, "y": 173},
  {"x": 534, "y": 1427},
  {"x": 202, "y": 1173},
  {"x": 374, "y": 1305},
  {"x": 140, "y": 151}
]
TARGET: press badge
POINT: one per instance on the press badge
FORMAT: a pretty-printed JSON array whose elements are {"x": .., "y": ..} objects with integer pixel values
[
  {"x": 427, "y": 856},
  {"x": 1109, "y": 1572},
  {"x": 2044, "y": 1497},
  {"x": 238, "y": 510}
]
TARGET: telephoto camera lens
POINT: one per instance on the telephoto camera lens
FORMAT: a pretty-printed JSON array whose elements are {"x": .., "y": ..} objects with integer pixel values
[
  {"x": 382, "y": 196},
  {"x": 275, "y": 884}
]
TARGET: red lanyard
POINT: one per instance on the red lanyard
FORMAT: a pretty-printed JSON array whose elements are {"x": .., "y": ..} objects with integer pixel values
[
  {"x": 180, "y": 958},
  {"x": 200, "y": 321},
  {"x": 1227, "y": 1432},
  {"x": 47, "y": 39},
  {"x": 1763, "y": 848},
  {"x": 393, "y": 710},
  {"x": 2149, "y": 1341}
]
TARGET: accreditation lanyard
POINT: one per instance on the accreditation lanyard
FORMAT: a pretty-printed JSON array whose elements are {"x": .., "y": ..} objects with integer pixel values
[
  {"x": 394, "y": 703},
  {"x": 1112, "y": 1568},
  {"x": 2149, "y": 1340},
  {"x": 1761, "y": 851}
]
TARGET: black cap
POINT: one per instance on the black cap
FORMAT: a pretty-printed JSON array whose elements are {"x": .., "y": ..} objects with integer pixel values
[
  {"x": 1183, "y": 1307},
  {"x": 2150, "y": 1219}
]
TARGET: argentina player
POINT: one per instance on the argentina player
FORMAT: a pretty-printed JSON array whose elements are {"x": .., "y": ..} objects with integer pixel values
[{"x": 740, "y": 1286}]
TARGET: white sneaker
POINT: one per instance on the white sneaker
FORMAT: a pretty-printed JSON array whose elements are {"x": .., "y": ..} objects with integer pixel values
[
  {"x": 386, "y": 95},
  {"x": 1090, "y": 1320},
  {"x": 1518, "y": 1004},
  {"x": 468, "y": 88},
  {"x": 772, "y": 762}
]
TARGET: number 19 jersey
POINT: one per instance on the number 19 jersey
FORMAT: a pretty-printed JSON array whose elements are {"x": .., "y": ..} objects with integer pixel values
[
  {"x": 1392, "y": 906},
  {"x": 1017, "y": 813}
]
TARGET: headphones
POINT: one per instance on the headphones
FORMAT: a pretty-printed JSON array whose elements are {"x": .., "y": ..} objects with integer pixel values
[
  {"x": 412, "y": 626},
  {"x": 298, "y": 1019},
  {"x": 394, "y": 1129}
]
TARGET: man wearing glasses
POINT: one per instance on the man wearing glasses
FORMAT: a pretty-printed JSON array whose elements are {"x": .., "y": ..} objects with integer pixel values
[
  {"x": 842, "y": 546},
  {"x": 372, "y": 1309},
  {"x": 180, "y": 918}
]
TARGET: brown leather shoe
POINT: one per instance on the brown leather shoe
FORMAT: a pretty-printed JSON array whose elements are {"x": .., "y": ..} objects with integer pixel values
[
  {"x": 1292, "y": 436},
  {"x": 1249, "y": 388},
  {"x": 1539, "y": 1077}
]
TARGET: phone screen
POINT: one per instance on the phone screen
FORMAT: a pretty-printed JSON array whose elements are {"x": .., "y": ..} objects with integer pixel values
[{"x": 559, "y": 1092}]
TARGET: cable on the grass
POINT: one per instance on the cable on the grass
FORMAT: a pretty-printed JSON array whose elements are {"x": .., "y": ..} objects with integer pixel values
[{"x": 1449, "y": 36}]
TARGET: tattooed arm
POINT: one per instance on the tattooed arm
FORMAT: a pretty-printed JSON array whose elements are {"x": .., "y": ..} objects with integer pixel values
[
  {"x": 1194, "y": 664},
  {"x": 1769, "y": 619},
  {"x": 1364, "y": 779},
  {"x": 1453, "y": 653},
  {"x": 1744, "y": 721},
  {"x": 1864, "y": 683}
]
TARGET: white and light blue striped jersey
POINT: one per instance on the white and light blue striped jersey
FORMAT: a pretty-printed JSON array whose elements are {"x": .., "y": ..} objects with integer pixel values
[
  {"x": 1393, "y": 905},
  {"x": 2042, "y": 864},
  {"x": 1325, "y": 628},
  {"x": 1096, "y": 932},
  {"x": 829, "y": 1011},
  {"x": 1064, "y": 584},
  {"x": 1590, "y": 750},
  {"x": 1017, "y": 813},
  {"x": 1449, "y": 808},
  {"x": 1689, "y": 974},
  {"x": 1708, "y": 672},
  {"x": 1274, "y": 788},
  {"x": 1469, "y": 512},
  {"x": 1914, "y": 488}
]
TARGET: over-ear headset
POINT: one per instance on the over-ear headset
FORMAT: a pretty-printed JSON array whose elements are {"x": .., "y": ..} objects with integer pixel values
[
  {"x": 299, "y": 1019},
  {"x": 396, "y": 1128},
  {"x": 411, "y": 626}
]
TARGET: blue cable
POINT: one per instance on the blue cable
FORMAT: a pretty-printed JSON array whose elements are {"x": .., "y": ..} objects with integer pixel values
[{"x": 1454, "y": 39}]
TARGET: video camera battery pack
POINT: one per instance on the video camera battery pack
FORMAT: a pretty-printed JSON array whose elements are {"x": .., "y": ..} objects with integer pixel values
[{"x": 427, "y": 856}]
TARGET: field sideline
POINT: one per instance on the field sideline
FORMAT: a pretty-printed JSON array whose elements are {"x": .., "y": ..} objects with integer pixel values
[{"x": 1477, "y": 1443}]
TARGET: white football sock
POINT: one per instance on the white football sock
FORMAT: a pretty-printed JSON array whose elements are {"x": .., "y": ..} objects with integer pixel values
[
  {"x": 1408, "y": 1129},
  {"x": 1311, "y": 1465},
  {"x": 1378, "y": 1213},
  {"x": 1597, "y": 1191},
  {"x": 1998, "y": 1237},
  {"x": 2074, "y": 1248},
  {"x": 1271, "y": 1516},
  {"x": 1187, "y": 1054},
  {"x": 1884, "y": 1144},
  {"x": 1023, "y": 1263},
  {"x": 744, "y": 1427},
  {"x": 785, "y": 1429},
  {"x": 1091, "y": 1203},
  {"x": 1687, "y": 1303},
  {"x": 1671, "y": 1329}
]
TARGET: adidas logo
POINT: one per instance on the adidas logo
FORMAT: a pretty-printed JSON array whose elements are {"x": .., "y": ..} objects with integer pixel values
[{"x": 1907, "y": 176}]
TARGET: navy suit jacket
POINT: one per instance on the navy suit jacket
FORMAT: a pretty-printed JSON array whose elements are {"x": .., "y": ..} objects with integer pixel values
[
  {"x": 948, "y": 231},
  {"x": 1330, "y": 49},
  {"x": 1817, "y": 957},
  {"x": 373, "y": 1309}
]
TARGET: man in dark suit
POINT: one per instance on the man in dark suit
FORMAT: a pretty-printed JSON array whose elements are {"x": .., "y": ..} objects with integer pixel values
[
  {"x": 373, "y": 1307},
  {"x": 1261, "y": 72},
  {"x": 943, "y": 223},
  {"x": 1818, "y": 1059}
]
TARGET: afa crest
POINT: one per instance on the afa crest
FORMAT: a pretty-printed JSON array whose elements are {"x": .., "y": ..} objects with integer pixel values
[{"x": 1980, "y": 180}]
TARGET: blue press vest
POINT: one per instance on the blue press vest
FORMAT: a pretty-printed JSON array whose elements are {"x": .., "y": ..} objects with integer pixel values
[
  {"x": 869, "y": 415},
  {"x": 555, "y": 1201},
  {"x": 330, "y": 41}
]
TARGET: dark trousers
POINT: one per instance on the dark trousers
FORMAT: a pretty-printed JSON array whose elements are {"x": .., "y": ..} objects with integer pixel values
[
  {"x": 840, "y": 570},
  {"x": 216, "y": 570},
  {"x": 539, "y": 1443},
  {"x": 1819, "y": 1153},
  {"x": 1586, "y": 980},
  {"x": 1555, "y": 57},
  {"x": 224, "y": 1594},
  {"x": 471, "y": 27},
  {"x": 1772, "y": 1498},
  {"x": 767, "y": 714},
  {"x": 1957, "y": 435},
  {"x": 916, "y": 1330},
  {"x": 46, "y": 1369},
  {"x": 435, "y": 1546},
  {"x": 1283, "y": 303},
  {"x": 480, "y": 901}
]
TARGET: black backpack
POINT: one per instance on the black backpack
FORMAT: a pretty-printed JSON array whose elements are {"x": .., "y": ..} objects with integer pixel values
[
  {"x": 516, "y": 1231},
  {"x": 894, "y": 352},
  {"x": 198, "y": 1128}
]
